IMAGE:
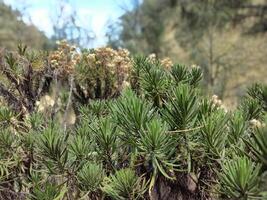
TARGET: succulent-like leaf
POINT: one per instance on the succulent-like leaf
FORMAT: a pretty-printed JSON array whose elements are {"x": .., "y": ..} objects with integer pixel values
[
  {"x": 90, "y": 177},
  {"x": 124, "y": 185},
  {"x": 239, "y": 178}
]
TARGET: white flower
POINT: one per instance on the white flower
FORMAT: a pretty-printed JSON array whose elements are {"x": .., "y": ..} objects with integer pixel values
[
  {"x": 214, "y": 97},
  {"x": 72, "y": 119},
  {"x": 125, "y": 84},
  {"x": 91, "y": 57},
  {"x": 195, "y": 66},
  {"x": 48, "y": 100},
  {"x": 152, "y": 56},
  {"x": 256, "y": 123},
  {"x": 224, "y": 108},
  {"x": 41, "y": 108}
]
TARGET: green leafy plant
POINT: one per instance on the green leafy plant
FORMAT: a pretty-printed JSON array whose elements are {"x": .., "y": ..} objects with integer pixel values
[
  {"x": 154, "y": 81},
  {"x": 157, "y": 148},
  {"x": 185, "y": 75},
  {"x": 90, "y": 177},
  {"x": 105, "y": 137},
  {"x": 53, "y": 148},
  {"x": 239, "y": 178},
  {"x": 258, "y": 144},
  {"x": 49, "y": 191},
  {"x": 131, "y": 114},
  {"x": 259, "y": 92},
  {"x": 238, "y": 127},
  {"x": 80, "y": 147},
  {"x": 100, "y": 138},
  {"x": 181, "y": 111},
  {"x": 124, "y": 185},
  {"x": 251, "y": 108},
  {"x": 215, "y": 134}
]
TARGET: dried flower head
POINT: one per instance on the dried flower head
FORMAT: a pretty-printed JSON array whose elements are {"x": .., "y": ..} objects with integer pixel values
[
  {"x": 218, "y": 103},
  {"x": 256, "y": 123},
  {"x": 152, "y": 57},
  {"x": 195, "y": 66},
  {"x": 65, "y": 58},
  {"x": 111, "y": 67},
  {"x": 166, "y": 63}
]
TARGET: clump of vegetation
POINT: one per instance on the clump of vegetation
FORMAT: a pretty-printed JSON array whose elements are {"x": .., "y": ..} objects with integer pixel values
[{"x": 156, "y": 137}]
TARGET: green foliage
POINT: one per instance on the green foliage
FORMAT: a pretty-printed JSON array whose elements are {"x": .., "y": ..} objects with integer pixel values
[
  {"x": 251, "y": 108},
  {"x": 215, "y": 134},
  {"x": 258, "y": 145},
  {"x": 259, "y": 92},
  {"x": 239, "y": 178},
  {"x": 154, "y": 82},
  {"x": 49, "y": 191},
  {"x": 131, "y": 114},
  {"x": 195, "y": 76},
  {"x": 138, "y": 62},
  {"x": 158, "y": 150},
  {"x": 53, "y": 149},
  {"x": 6, "y": 116},
  {"x": 36, "y": 121},
  {"x": 206, "y": 108},
  {"x": 95, "y": 108},
  {"x": 211, "y": 33},
  {"x": 182, "y": 108},
  {"x": 182, "y": 74},
  {"x": 6, "y": 139},
  {"x": 124, "y": 185},
  {"x": 238, "y": 127},
  {"x": 105, "y": 137},
  {"x": 80, "y": 147},
  {"x": 181, "y": 144},
  {"x": 90, "y": 177},
  {"x": 14, "y": 30}
]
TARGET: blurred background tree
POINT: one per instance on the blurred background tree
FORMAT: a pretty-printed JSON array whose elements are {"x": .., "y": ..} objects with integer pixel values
[
  {"x": 66, "y": 25},
  {"x": 14, "y": 30},
  {"x": 227, "y": 38}
]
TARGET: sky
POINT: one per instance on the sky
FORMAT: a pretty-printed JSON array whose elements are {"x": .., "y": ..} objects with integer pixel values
[{"x": 92, "y": 14}]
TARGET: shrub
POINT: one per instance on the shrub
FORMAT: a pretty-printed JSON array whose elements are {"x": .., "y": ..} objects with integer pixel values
[{"x": 155, "y": 137}]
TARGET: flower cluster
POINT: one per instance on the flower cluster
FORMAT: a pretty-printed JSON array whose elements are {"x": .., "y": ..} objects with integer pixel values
[
  {"x": 165, "y": 62},
  {"x": 195, "y": 66},
  {"x": 65, "y": 58},
  {"x": 256, "y": 123},
  {"x": 110, "y": 58},
  {"x": 45, "y": 102},
  {"x": 152, "y": 57},
  {"x": 116, "y": 63},
  {"x": 218, "y": 102}
]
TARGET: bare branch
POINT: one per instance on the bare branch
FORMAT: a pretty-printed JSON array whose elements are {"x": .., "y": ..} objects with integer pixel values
[{"x": 71, "y": 82}]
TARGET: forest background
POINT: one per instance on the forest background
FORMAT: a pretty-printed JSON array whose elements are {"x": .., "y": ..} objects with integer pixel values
[{"x": 226, "y": 38}]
